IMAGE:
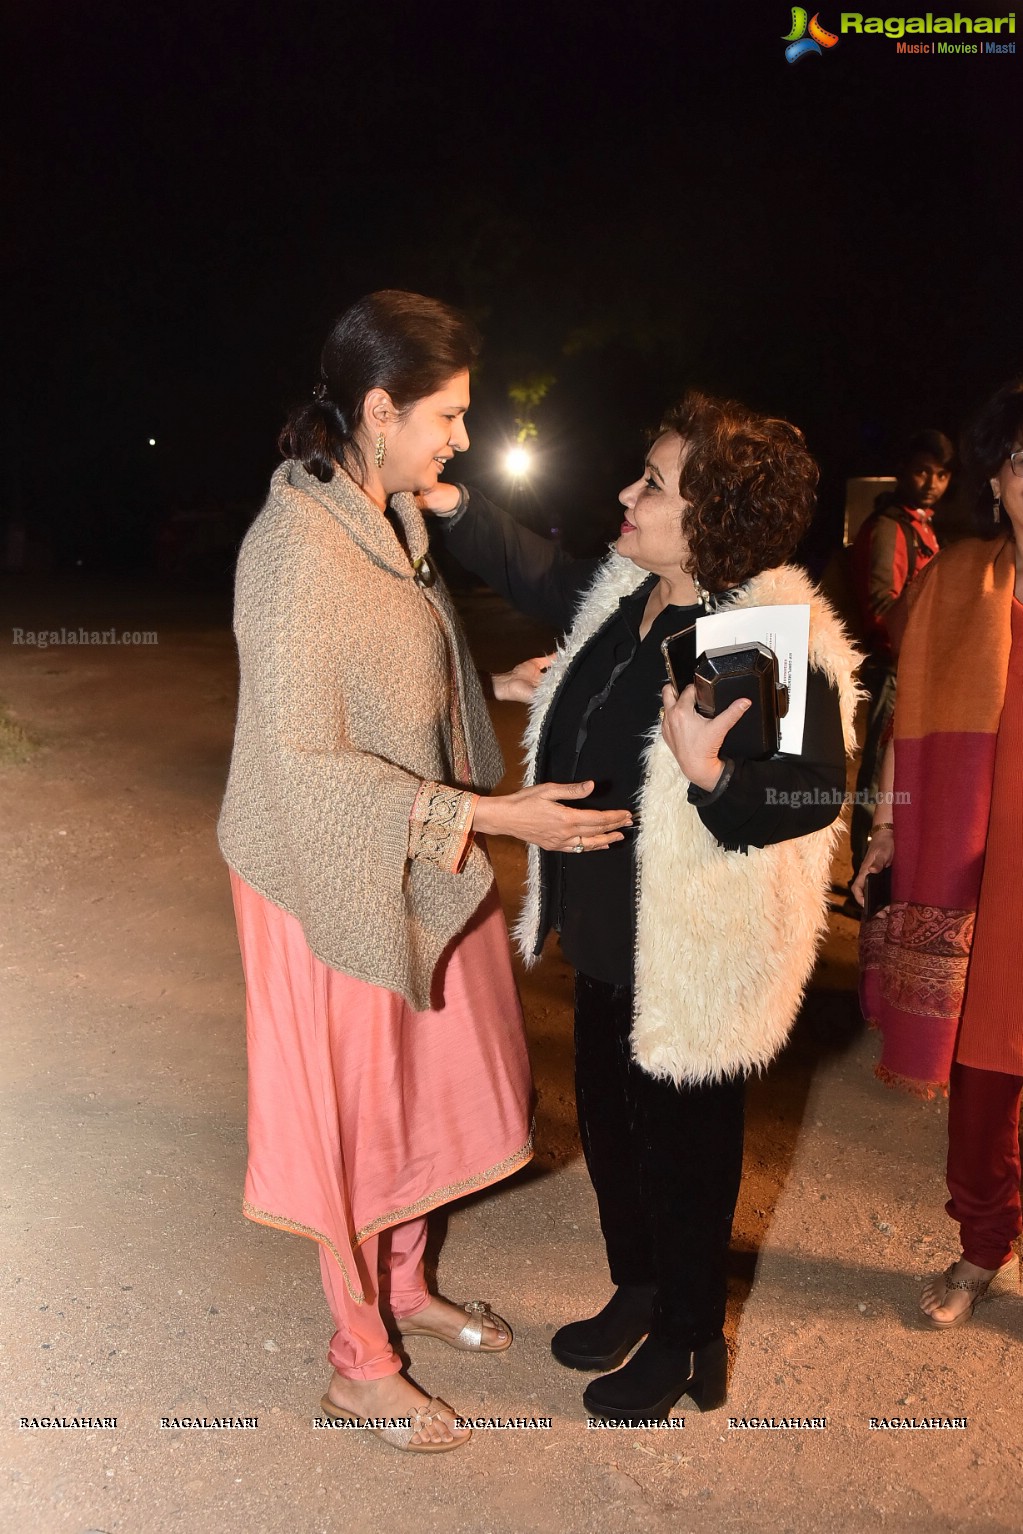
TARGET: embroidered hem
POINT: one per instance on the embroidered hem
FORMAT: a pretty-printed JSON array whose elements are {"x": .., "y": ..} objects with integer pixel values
[
  {"x": 424, "y": 1205},
  {"x": 923, "y": 958},
  {"x": 444, "y": 1195},
  {"x": 278, "y": 1222}
]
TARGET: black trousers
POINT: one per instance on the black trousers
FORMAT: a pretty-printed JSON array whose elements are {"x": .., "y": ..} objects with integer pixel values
[{"x": 665, "y": 1162}]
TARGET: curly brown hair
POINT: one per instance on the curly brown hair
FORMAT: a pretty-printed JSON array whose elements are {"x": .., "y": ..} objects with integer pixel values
[{"x": 750, "y": 484}]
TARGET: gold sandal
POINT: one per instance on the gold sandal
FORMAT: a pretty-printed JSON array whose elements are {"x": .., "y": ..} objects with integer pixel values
[
  {"x": 470, "y": 1338},
  {"x": 1003, "y": 1281},
  {"x": 400, "y": 1431}
]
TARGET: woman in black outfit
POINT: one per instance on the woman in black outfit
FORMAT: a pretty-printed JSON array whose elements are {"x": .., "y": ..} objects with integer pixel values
[{"x": 693, "y": 937}]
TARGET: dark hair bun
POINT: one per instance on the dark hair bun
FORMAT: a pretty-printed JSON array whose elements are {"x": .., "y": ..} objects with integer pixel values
[{"x": 401, "y": 342}]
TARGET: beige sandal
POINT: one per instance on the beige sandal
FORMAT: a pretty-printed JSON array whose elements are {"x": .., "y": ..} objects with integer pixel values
[
  {"x": 401, "y": 1435},
  {"x": 1004, "y": 1281},
  {"x": 470, "y": 1338}
]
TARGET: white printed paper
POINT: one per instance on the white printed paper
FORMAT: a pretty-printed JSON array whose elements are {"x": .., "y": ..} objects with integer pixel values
[{"x": 785, "y": 629}]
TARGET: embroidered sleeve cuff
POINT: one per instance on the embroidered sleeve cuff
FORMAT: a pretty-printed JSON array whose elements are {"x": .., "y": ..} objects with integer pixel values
[
  {"x": 440, "y": 826},
  {"x": 701, "y": 797}
]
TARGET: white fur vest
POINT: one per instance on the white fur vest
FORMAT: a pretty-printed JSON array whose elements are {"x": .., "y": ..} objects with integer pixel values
[{"x": 725, "y": 941}]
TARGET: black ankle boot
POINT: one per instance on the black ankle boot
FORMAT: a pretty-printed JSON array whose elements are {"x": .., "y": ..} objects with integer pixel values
[
  {"x": 656, "y": 1375},
  {"x": 604, "y": 1340}
]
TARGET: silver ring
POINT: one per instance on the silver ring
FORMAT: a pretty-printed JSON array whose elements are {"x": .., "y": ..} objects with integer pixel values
[{"x": 579, "y": 846}]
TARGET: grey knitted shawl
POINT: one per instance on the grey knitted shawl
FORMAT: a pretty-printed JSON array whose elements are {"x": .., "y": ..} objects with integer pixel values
[{"x": 351, "y": 671}]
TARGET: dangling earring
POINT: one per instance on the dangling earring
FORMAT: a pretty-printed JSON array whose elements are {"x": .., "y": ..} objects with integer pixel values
[
  {"x": 705, "y": 598},
  {"x": 381, "y": 451},
  {"x": 997, "y": 507}
]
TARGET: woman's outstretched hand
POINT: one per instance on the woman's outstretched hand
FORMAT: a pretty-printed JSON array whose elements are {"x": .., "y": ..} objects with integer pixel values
[
  {"x": 694, "y": 741},
  {"x": 536, "y": 815},
  {"x": 519, "y": 684},
  {"x": 879, "y": 855}
]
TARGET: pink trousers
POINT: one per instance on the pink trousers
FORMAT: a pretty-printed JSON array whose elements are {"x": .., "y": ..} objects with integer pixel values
[
  {"x": 391, "y": 1268},
  {"x": 365, "y": 1115},
  {"x": 984, "y": 1162}
]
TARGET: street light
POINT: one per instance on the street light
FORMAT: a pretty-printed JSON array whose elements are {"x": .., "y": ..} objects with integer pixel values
[{"x": 517, "y": 461}]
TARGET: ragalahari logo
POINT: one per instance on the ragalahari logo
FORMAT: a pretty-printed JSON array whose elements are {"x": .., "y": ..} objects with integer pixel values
[{"x": 798, "y": 41}]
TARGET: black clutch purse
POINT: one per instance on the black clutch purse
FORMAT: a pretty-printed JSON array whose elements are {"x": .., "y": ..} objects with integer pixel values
[
  {"x": 743, "y": 671},
  {"x": 877, "y": 892}
]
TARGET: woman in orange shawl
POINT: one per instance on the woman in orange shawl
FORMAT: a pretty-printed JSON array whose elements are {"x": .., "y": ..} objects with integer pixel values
[{"x": 940, "y": 965}]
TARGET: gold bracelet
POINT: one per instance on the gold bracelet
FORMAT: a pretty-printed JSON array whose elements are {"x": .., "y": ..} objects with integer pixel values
[{"x": 882, "y": 825}]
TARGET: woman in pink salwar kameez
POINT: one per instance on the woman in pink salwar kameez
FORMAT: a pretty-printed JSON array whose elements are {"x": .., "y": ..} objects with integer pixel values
[{"x": 388, "y": 1072}]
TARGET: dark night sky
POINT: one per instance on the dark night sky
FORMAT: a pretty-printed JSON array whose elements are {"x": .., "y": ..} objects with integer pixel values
[{"x": 632, "y": 197}]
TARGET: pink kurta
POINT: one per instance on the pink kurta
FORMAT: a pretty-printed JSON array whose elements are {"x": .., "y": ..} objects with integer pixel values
[{"x": 363, "y": 1113}]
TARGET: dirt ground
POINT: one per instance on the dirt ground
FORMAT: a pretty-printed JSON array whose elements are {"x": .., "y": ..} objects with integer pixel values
[{"x": 135, "y": 1289}]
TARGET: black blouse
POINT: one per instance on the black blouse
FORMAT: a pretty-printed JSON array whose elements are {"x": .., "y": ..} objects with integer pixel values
[
  {"x": 598, "y": 728},
  {"x": 605, "y": 709}
]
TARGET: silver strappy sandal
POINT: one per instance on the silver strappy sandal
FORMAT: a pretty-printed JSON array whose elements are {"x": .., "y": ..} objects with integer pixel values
[{"x": 470, "y": 1338}]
